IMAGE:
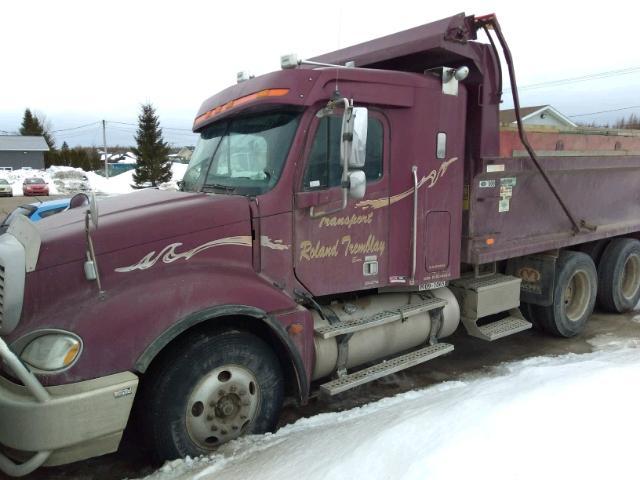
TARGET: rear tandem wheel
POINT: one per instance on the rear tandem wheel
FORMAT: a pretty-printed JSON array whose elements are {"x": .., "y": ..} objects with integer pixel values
[{"x": 574, "y": 296}]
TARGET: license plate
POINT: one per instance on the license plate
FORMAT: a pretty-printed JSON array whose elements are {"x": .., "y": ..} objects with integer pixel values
[{"x": 432, "y": 285}]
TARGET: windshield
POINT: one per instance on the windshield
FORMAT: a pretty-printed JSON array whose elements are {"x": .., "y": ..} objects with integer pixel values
[
  {"x": 34, "y": 181},
  {"x": 243, "y": 155}
]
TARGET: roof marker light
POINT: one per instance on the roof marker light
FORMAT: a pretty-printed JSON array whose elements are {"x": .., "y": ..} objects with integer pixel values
[{"x": 270, "y": 92}]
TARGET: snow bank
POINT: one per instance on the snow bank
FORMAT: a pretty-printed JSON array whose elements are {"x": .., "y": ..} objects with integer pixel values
[
  {"x": 62, "y": 180},
  {"x": 573, "y": 416}
]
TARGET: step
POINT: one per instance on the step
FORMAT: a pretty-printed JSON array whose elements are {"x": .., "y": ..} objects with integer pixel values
[
  {"x": 501, "y": 328},
  {"x": 388, "y": 316},
  {"x": 386, "y": 367}
]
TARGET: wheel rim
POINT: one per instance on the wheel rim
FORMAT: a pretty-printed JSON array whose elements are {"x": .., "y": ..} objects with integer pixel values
[
  {"x": 222, "y": 406},
  {"x": 577, "y": 295},
  {"x": 630, "y": 281}
]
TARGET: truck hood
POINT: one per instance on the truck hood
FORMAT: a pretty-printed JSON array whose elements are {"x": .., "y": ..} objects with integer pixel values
[{"x": 135, "y": 219}]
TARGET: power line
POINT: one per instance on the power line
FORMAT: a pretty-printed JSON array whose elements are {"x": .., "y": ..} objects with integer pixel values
[
  {"x": 583, "y": 78},
  {"x": 163, "y": 127},
  {"x": 75, "y": 128},
  {"x": 604, "y": 111}
]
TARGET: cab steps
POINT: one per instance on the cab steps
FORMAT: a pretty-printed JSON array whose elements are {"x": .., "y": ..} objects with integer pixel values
[
  {"x": 481, "y": 296},
  {"x": 386, "y": 367},
  {"x": 498, "y": 329},
  {"x": 353, "y": 325}
]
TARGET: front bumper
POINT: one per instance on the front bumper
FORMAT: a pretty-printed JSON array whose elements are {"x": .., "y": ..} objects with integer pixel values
[{"x": 61, "y": 424}]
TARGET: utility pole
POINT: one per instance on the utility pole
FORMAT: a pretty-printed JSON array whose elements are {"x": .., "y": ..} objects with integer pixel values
[{"x": 104, "y": 141}]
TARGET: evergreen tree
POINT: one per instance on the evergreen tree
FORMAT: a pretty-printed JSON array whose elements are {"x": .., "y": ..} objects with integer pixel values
[
  {"x": 33, "y": 126},
  {"x": 65, "y": 147},
  {"x": 30, "y": 124},
  {"x": 153, "y": 165}
]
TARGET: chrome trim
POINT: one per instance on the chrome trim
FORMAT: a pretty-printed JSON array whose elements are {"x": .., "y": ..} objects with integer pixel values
[{"x": 414, "y": 171}]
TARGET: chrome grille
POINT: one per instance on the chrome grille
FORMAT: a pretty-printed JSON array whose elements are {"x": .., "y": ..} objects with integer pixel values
[
  {"x": 12, "y": 279},
  {"x": 1, "y": 295}
]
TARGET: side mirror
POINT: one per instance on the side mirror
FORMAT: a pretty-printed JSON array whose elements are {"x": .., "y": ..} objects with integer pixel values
[
  {"x": 357, "y": 184},
  {"x": 353, "y": 148}
]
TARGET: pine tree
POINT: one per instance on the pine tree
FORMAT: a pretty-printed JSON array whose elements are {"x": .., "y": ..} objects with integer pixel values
[
  {"x": 33, "y": 126},
  {"x": 30, "y": 124},
  {"x": 153, "y": 165}
]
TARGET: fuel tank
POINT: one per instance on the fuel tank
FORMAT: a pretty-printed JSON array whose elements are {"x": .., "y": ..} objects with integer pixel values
[{"x": 384, "y": 340}]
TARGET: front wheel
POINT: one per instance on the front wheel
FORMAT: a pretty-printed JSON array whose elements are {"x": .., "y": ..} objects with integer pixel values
[{"x": 209, "y": 390}]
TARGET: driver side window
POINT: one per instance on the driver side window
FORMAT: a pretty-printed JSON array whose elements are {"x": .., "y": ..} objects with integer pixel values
[{"x": 323, "y": 165}]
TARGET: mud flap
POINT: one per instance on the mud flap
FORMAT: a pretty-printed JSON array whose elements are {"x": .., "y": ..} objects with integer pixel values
[{"x": 538, "y": 277}]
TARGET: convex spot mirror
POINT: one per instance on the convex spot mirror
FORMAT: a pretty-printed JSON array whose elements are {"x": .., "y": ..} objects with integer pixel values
[
  {"x": 79, "y": 200},
  {"x": 354, "y": 137}
]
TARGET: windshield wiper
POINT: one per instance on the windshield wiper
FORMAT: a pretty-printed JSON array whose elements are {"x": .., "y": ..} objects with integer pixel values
[{"x": 217, "y": 186}]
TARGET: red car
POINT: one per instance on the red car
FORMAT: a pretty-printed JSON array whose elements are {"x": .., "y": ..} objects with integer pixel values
[{"x": 35, "y": 186}]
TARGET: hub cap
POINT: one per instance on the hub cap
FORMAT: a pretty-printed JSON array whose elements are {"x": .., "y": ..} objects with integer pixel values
[
  {"x": 630, "y": 281},
  {"x": 222, "y": 406},
  {"x": 576, "y": 296}
]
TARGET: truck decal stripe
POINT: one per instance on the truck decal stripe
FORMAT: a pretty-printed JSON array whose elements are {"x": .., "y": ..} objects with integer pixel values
[
  {"x": 430, "y": 180},
  {"x": 169, "y": 255}
]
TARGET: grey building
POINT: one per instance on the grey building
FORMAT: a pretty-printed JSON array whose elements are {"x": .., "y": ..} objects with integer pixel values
[{"x": 18, "y": 151}]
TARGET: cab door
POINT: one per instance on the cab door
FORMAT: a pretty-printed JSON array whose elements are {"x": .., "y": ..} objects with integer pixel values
[{"x": 341, "y": 250}]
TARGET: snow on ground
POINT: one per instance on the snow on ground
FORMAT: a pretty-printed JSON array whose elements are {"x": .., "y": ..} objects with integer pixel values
[
  {"x": 572, "y": 416},
  {"x": 61, "y": 180}
]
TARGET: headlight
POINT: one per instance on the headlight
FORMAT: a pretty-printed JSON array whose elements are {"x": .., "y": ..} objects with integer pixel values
[{"x": 52, "y": 351}]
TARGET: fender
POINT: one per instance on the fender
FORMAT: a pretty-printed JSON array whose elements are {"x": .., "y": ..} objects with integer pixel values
[{"x": 225, "y": 311}]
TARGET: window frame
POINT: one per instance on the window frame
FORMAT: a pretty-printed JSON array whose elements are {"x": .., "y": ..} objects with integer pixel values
[{"x": 314, "y": 125}]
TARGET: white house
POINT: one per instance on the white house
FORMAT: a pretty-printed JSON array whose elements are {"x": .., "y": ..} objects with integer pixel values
[{"x": 544, "y": 115}]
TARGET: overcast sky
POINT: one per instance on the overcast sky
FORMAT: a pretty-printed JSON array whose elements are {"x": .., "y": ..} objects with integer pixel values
[{"x": 80, "y": 61}]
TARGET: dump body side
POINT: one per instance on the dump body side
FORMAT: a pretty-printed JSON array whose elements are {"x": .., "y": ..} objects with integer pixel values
[{"x": 511, "y": 206}]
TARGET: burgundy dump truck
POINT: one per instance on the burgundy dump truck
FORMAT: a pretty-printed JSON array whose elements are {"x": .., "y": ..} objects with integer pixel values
[{"x": 339, "y": 218}]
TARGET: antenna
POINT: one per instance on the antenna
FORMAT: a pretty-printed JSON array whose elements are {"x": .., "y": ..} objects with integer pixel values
[{"x": 338, "y": 45}]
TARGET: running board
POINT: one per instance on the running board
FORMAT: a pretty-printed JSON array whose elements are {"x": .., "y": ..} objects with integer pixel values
[
  {"x": 385, "y": 367},
  {"x": 495, "y": 330},
  {"x": 382, "y": 318}
]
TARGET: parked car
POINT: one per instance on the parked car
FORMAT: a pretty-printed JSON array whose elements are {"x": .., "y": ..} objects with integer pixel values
[
  {"x": 36, "y": 211},
  {"x": 6, "y": 190},
  {"x": 35, "y": 186}
]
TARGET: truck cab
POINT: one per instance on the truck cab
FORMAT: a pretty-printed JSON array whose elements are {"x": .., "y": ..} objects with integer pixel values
[{"x": 296, "y": 187}]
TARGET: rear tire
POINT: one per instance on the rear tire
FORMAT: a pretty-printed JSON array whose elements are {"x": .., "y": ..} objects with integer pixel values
[
  {"x": 211, "y": 389},
  {"x": 574, "y": 296},
  {"x": 619, "y": 276}
]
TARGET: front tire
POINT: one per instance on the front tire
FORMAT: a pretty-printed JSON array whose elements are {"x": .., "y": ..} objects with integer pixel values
[
  {"x": 210, "y": 389},
  {"x": 574, "y": 296}
]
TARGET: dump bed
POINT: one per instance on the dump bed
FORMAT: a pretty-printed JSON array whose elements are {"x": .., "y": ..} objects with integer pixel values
[{"x": 510, "y": 210}]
